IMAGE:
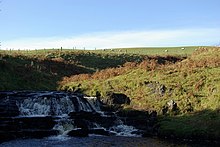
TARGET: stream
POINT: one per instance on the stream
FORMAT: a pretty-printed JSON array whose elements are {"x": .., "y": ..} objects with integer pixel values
[{"x": 62, "y": 119}]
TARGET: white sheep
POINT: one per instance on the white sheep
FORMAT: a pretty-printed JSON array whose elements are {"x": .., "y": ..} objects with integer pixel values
[{"x": 166, "y": 50}]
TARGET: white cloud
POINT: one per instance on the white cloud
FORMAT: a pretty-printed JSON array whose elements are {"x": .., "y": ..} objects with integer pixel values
[{"x": 122, "y": 39}]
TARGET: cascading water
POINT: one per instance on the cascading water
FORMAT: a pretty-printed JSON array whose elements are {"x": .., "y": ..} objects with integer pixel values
[
  {"x": 124, "y": 130},
  {"x": 64, "y": 112},
  {"x": 58, "y": 105},
  {"x": 55, "y": 104}
]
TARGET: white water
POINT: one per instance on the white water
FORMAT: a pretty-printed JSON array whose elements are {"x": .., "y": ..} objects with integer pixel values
[
  {"x": 40, "y": 104},
  {"x": 61, "y": 104},
  {"x": 64, "y": 125},
  {"x": 94, "y": 103},
  {"x": 125, "y": 130},
  {"x": 45, "y": 106}
]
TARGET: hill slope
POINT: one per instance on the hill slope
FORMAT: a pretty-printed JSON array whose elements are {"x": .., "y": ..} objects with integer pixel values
[
  {"x": 42, "y": 69},
  {"x": 185, "y": 93}
]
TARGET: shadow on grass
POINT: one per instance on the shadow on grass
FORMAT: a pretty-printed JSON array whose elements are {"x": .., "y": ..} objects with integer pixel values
[
  {"x": 199, "y": 126},
  {"x": 44, "y": 71},
  {"x": 22, "y": 73},
  {"x": 98, "y": 61}
]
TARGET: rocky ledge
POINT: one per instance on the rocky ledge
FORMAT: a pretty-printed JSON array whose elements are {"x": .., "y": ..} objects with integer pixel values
[{"x": 42, "y": 114}]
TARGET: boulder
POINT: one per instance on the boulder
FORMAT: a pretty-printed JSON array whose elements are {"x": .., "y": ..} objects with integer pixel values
[
  {"x": 82, "y": 123},
  {"x": 116, "y": 99},
  {"x": 78, "y": 133},
  {"x": 170, "y": 107},
  {"x": 86, "y": 120}
]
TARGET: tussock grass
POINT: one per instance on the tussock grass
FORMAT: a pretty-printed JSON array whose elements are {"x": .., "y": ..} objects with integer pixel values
[{"x": 193, "y": 83}]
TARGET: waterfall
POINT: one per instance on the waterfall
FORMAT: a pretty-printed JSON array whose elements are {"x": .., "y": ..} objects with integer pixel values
[
  {"x": 44, "y": 113},
  {"x": 56, "y": 104}
]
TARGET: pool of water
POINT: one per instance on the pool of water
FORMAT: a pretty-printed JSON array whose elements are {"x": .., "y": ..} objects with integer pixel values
[{"x": 96, "y": 141}]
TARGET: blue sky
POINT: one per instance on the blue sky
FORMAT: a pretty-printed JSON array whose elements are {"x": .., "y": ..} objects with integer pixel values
[{"x": 108, "y": 23}]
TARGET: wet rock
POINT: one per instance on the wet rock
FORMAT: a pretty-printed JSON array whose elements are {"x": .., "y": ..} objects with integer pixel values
[
  {"x": 134, "y": 118},
  {"x": 8, "y": 107},
  {"x": 36, "y": 133},
  {"x": 142, "y": 120},
  {"x": 37, "y": 114},
  {"x": 85, "y": 119},
  {"x": 12, "y": 128},
  {"x": 99, "y": 131},
  {"x": 82, "y": 123},
  {"x": 22, "y": 123},
  {"x": 79, "y": 133},
  {"x": 45, "y": 123},
  {"x": 84, "y": 115}
]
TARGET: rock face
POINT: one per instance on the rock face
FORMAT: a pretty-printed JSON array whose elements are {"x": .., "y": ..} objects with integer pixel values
[
  {"x": 116, "y": 99},
  {"x": 79, "y": 133},
  {"x": 156, "y": 87},
  {"x": 142, "y": 120},
  {"x": 36, "y": 114},
  {"x": 170, "y": 107},
  {"x": 8, "y": 107},
  {"x": 83, "y": 119},
  {"x": 26, "y": 127},
  {"x": 41, "y": 114}
]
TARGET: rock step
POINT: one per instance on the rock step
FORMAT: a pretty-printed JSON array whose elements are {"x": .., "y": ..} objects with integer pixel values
[
  {"x": 27, "y": 123},
  {"x": 8, "y": 135}
]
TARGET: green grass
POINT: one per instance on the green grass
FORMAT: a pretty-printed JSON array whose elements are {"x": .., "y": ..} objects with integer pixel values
[
  {"x": 192, "y": 81},
  {"x": 160, "y": 50},
  {"x": 203, "y": 125},
  {"x": 137, "y": 50}
]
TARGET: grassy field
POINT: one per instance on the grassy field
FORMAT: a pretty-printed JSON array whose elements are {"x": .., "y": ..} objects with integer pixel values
[
  {"x": 182, "y": 50},
  {"x": 151, "y": 77}
]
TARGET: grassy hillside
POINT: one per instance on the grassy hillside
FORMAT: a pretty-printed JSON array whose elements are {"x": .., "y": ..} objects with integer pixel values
[
  {"x": 42, "y": 69},
  {"x": 194, "y": 77},
  {"x": 153, "y": 78},
  {"x": 193, "y": 84},
  {"x": 184, "y": 50}
]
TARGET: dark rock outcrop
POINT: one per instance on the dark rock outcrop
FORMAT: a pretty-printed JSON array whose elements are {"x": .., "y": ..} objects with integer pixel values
[
  {"x": 116, "y": 99},
  {"x": 142, "y": 120},
  {"x": 8, "y": 106},
  {"x": 40, "y": 114},
  {"x": 156, "y": 87},
  {"x": 26, "y": 127},
  {"x": 100, "y": 131},
  {"x": 83, "y": 119},
  {"x": 79, "y": 133},
  {"x": 170, "y": 107}
]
